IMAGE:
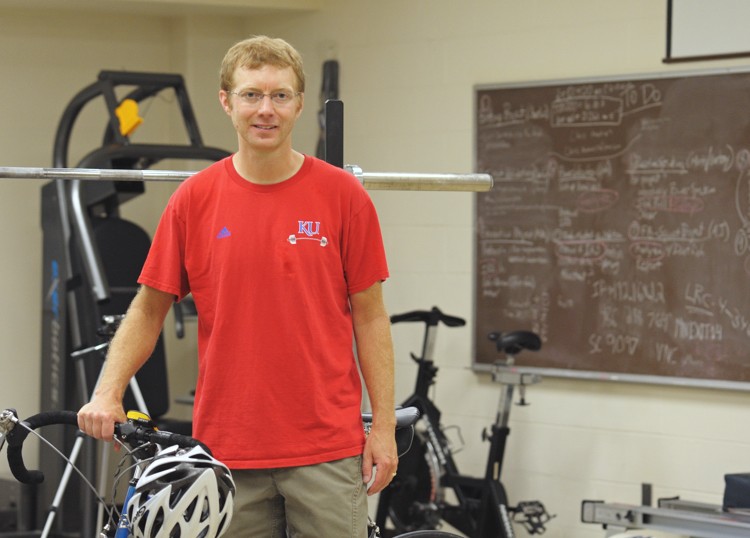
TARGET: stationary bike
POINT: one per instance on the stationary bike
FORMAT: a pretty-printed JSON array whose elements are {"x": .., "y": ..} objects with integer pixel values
[{"x": 416, "y": 497}]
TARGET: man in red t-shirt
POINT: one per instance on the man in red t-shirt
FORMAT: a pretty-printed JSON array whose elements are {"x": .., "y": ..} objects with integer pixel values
[{"x": 283, "y": 255}]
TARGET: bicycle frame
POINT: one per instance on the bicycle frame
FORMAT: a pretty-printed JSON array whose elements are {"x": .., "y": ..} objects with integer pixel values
[
  {"x": 123, "y": 525},
  {"x": 145, "y": 440}
]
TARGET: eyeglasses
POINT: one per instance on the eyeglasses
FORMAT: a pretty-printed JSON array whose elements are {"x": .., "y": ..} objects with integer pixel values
[{"x": 251, "y": 97}]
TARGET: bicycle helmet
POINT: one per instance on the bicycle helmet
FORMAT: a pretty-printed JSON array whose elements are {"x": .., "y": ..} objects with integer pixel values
[{"x": 185, "y": 493}]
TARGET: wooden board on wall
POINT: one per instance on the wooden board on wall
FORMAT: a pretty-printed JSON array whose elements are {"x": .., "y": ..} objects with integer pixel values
[{"x": 618, "y": 227}]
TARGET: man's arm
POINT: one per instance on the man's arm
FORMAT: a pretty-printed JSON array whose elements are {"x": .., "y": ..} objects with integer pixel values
[
  {"x": 130, "y": 348},
  {"x": 372, "y": 330}
]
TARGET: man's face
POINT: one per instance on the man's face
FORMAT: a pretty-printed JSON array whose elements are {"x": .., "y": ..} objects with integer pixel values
[{"x": 265, "y": 126}]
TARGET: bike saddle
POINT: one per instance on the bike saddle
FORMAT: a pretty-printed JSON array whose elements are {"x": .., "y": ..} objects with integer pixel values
[
  {"x": 405, "y": 419},
  {"x": 431, "y": 317},
  {"x": 405, "y": 416},
  {"x": 514, "y": 342}
]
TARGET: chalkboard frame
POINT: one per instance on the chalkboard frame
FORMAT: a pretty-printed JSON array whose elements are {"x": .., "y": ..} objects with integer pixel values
[{"x": 586, "y": 375}]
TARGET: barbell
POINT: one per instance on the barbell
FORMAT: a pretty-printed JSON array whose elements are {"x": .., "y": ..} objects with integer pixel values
[{"x": 370, "y": 180}]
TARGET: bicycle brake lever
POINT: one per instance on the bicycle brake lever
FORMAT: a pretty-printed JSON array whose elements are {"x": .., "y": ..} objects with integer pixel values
[{"x": 8, "y": 419}]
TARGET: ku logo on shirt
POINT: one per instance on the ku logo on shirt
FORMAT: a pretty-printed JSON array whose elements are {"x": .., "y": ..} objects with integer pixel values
[{"x": 308, "y": 230}]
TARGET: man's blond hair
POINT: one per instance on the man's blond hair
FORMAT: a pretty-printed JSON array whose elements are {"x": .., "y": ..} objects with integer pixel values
[{"x": 257, "y": 51}]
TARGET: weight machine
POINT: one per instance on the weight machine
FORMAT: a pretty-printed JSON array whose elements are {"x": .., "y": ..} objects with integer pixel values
[{"x": 92, "y": 258}]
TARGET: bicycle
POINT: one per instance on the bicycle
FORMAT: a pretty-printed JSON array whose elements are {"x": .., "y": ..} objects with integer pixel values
[
  {"x": 154, "y": 507},
  {"x": 416, "y": 498}
]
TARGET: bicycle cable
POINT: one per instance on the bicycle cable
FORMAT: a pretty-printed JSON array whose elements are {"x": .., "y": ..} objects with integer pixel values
[
  {"x": 64, "y": 457},
  {"x": 121, "y": 472},
  {"x": 110, "y": 509}
]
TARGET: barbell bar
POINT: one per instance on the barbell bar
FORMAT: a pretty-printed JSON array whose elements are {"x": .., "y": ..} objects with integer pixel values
[{"x": 370, "y": 180}]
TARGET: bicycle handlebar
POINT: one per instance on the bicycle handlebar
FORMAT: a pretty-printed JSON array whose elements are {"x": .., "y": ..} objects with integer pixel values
[
  {"x": 130, "y": 432},
  {"x": 17, "y": 436},
  {"x": 138, "y": 434},
  {"x": 133, "y": 432},
  {"x": 430, "y": 317}
]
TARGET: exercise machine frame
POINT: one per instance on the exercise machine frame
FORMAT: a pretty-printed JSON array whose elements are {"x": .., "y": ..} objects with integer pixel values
[
  {"x": 698, "y": 520},
  {"x": 415, "y": 499}
]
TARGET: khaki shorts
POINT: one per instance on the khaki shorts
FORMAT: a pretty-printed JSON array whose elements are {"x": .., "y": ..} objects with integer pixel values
[{"x": 328, "y": 500}]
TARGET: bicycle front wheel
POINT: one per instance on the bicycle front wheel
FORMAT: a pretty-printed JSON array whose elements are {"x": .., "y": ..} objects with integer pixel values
[{"x": 428, "y": 534}]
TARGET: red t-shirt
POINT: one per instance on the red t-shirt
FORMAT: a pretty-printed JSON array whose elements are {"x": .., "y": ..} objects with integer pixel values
[{"x": 271, "y": 268}]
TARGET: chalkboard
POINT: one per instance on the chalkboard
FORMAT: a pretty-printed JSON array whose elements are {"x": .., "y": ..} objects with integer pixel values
[{"x": 618, "y": 227}]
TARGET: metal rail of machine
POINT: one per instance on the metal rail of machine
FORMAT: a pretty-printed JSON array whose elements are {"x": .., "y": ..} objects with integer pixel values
[
  {"x": 373, "y": 181},
  {"x": 694, "y": 519}
]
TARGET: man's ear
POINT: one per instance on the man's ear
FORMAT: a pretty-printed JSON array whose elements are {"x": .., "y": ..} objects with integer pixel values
[
  {"x": 301, "y": 104},
  {"x": 226, "y": 103}
]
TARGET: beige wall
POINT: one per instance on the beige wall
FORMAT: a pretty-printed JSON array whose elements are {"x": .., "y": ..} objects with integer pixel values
[
  {"x": 47, "y": 57},
  {"x": 408, "y": 69}
]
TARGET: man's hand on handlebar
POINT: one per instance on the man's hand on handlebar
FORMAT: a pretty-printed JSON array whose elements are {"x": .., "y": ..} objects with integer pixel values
[{"x": 98, "y": 417}]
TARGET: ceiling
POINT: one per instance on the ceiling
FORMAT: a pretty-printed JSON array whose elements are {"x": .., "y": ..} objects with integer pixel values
[{"x": 170, "y": 7}]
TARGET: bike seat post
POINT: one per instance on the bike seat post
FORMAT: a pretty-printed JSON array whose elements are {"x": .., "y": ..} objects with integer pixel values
[
  {"x": 428, "y": 344},
  {"x": 506, "y": 378},
  {"x": 427, "y": 368}
]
